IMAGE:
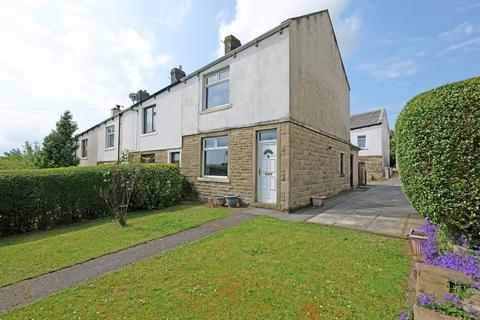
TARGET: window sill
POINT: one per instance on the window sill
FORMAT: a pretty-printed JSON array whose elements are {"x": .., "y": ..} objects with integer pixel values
[
  {"x": 86, "y": 158},
  {"x": 148, "y": 134},
  {"x": 217, "y": 108},
  {"x": 214, "y": 179},
  {"x": 109, "y": 148}
]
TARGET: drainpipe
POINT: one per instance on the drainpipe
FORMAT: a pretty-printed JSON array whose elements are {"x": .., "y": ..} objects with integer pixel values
[{"x": 119, "y": 132}]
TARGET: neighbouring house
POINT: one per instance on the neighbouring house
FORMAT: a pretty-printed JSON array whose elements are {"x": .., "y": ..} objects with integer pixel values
[
  {"x": 370, "y": 132},
  {"x": 268, "y": 121}
]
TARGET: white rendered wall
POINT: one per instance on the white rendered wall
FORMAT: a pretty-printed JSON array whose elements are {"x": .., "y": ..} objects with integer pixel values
[
  {"x": 259, "y": 89},
  {"x": 373, "y": 145}
]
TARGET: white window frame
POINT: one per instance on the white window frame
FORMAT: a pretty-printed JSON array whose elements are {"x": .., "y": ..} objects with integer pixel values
[
  {"x": 154, "y": 114},
  {"x": 215, "y": 147},
  {"x": 218, "y": 81},
  {"x": 169, "y": 160},
  {"x": 107, "y": 133},
  {"x": 84, "y": 148},
  {"x": 365, "y": 138}
]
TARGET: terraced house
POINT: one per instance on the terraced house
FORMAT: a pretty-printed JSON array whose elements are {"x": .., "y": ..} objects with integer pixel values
[{"x": 268, "y": 121}]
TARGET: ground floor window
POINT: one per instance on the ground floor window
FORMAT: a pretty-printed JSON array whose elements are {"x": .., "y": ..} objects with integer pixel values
[
  {"x": 215, "y": 156},
  {"x": 174, "y": 157},
  {"x": 147, "y": 158},
  {"x": 342, "y": 165}
]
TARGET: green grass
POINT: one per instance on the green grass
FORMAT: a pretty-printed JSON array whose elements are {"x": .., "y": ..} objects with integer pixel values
[
  {"x": 31, "y": 254},
  {"x": 261, "y": 269}
]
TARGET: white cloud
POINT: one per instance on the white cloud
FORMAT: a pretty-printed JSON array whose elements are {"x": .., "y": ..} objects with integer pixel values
[
  {"x": 65, "y": 56},
  {"x": 389, "y": 70},
  {"x": 469, "y": 7},
  {"x": 172, "y": 14},
  {"x": 465, "y": 45},
  {"x": 463, "y": 29},
  {"x": 252, "y": 18}
]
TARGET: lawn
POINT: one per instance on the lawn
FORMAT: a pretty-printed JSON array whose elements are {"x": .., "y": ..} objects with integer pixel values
[
  {"x": 262, "y": 269},
  {"x": 31, "y": 254}
]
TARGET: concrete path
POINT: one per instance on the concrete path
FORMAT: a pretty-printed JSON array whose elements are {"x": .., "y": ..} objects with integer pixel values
[
  {"x": 28, "y": 291},
  {"x": 380, "y": 208}
]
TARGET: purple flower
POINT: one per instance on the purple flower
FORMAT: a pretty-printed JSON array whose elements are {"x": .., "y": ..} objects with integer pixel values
[{"x": 467, "y": 261}]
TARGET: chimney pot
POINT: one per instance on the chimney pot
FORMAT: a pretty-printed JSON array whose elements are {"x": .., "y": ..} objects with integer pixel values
[
  {"x": 116, "y": 110},
  {"x": 231, "y": 43},
  {"x": 176, "y": 74}
]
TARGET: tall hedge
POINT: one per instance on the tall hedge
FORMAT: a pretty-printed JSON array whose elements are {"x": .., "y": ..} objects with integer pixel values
[
  {"x": 438, "y": 152},
  {"x": 40, "y": 199}
]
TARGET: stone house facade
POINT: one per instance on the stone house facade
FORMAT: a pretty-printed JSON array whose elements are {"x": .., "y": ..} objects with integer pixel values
[
  {"x": 268, "y": 121},
  {"x": 370, "y": 132}
]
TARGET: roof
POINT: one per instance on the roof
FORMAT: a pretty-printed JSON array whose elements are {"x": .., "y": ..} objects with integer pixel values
[
  {"x": 366, "y": 119},
  {"x": 279, "y": 28}
]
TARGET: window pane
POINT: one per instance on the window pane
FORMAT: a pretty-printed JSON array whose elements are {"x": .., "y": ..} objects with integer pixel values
[
  {"x": 211, "y": 79},
  {"x": 148, "y": 120},
  {"x": 216, "y": 162},
  {"x": 217, "y": 95},
  {"x": 222, "y": 142},
  {"x": 148, "y": 158},
  {"x": 361, "y": 141},
  {"x": 224, "y": 74},
  {"x": 268, "y": 135},
  {"x": 175, "y": 158},
  {"x": 210, "y": 142}
]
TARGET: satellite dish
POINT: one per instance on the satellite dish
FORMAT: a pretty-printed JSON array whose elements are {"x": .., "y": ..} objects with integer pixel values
[{"x": 133, "y": 96}]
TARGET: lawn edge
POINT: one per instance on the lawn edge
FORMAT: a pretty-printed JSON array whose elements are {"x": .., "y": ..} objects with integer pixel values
[{"x": 112, "y": 252}]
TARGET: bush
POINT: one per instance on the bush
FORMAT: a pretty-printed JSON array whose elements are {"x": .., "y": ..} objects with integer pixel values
[
  {"x": 438, "y": 152},
  {"x": 40, "y": 199}
]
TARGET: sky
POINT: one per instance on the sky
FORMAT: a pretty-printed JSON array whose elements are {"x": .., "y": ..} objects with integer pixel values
[{"x": 86, "y": 56}]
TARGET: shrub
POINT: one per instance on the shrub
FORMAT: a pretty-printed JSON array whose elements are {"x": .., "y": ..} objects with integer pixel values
[
  {"x": 40, "y": 199},
  {"x": 438, "y": 152}
]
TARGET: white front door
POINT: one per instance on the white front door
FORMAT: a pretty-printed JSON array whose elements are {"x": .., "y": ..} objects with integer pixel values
[{"x": 267, "y": 171}]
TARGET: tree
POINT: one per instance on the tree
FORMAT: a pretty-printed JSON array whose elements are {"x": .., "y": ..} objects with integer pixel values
[
  {"x": 29, "y": 156},
  {"x": 117, "y": 192},
  {"x": 60, "y": 145}
]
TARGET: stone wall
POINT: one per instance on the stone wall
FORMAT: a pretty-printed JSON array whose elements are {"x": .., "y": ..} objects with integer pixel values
[
  {"x": 374, "y": 165},
  {"x": 161, "y": 156},
  {"x": 242, "y": 164},
  {"x": 315, "y": 165}
]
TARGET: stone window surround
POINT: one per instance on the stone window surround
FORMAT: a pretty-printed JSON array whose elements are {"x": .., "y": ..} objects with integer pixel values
[
  {"x": 202, "y": 160},
  {"x": 256, "y": 129}
]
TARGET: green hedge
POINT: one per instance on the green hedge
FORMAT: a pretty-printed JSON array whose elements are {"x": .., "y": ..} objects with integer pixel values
[
  {"x": 438, "y": 152},
  {"x": 40, "y": 199}
]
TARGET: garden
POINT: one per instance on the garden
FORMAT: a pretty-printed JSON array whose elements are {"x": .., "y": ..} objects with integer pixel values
[
  {"x": 438, "y": 152},
  {"x": 261, "y": 269}
]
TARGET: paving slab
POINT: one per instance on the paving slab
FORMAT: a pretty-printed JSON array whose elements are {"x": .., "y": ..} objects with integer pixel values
[{"x": 380, "y": 208}]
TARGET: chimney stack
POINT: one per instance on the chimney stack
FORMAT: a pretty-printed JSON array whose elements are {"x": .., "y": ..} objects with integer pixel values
[
  {"x": 231, "y": 43},
  {"x": 176, "y": 74},
  {"x": 116, "y": 110}
]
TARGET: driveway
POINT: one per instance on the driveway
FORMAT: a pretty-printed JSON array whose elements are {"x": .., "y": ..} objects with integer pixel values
[{"x": 380, "y": 208}]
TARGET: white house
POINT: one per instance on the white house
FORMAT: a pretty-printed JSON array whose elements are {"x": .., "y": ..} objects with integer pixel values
[
  {"x": 370, "y": 132},
  {"x": 268, "y": 121}
]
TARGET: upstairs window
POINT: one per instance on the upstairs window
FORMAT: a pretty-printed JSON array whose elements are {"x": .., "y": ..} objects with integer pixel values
[
  {"x": 362, "y": 141},
  {"x": 149, "y": 119},
  {"x": 217, "y": 89},
  {"x": 109, "y": 137},
  {"x": 215, "y": 156},
  {"x": 84, "y": 148}
]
